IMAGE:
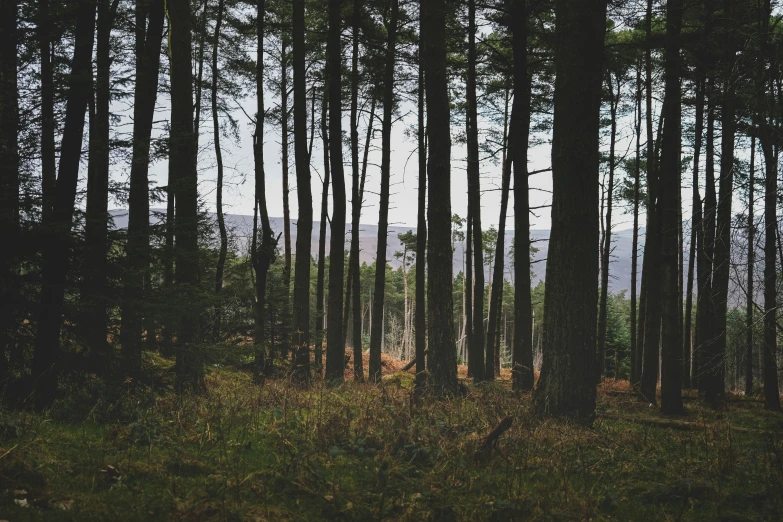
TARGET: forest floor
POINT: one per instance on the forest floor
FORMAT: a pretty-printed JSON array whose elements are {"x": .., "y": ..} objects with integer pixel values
[{"x": 361, "y": 452}]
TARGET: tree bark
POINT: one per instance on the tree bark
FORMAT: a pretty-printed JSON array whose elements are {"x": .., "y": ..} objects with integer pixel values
[
  {"x": 443, "y": 357},
  {"x": 221, "y": 262},
  {"x": 670, "y": 218},
  {"x": 46, "y": 363},
  {"x": 335, "y": 345},
  {"x": 189, "y": 366},
  {"x": 636, "y": 359},
  {"x": 522, "y": 357},
  {"x": 319, "y": 285},
  {"x": 751, "y": 262},
  {"x": 480, "y": 371},
  {"x": 376, "y": 335},
  {"x": 421, "y": 233},
  {"x": 607, "y": 245},
  {"x": 566, "y": 387},
  {"x": 304, "y": 226},
  {"x": 48, "y": 158}
]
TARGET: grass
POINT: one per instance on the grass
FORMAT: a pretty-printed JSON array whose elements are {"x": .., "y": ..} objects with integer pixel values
[{"x": 360, "y": 452}]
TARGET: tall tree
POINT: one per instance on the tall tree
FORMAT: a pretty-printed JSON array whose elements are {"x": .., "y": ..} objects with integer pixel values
[
  {"x": 356, "y": 200},
  {"x": 285, "y": 132},
  {"x": 614, "y": 101},
  {"x": 321, "y": 270},
  {"x": 263, "y": 248},
  {"x": 650, "y": 326},
  {"x": 149, "y": 33},
  {"x": 421, "y": 230},
  {"x": 670, "y": 183},
  {"x": 48, "y": 158},
  {"x": 474, "y": 213},
  {"x": 522, "y": 356},
  {"x": 94, "y": 287},
  {"x": 223, "y": 251},
  {"x": 46, "y": 362},
  {"x": 715, "y": 372},
  {"x": 189, "y": 366},
  {"x": 567, "y": 383},
  {"x": 636, "y": 359},
  {"x": 443, "y": 356},
  {"x": 335, "y": 344},
  {"x": 751, "y": 261},
  {"x": 304, "y": 226},
  {"x": 376, "y": 335},
  {"x": 9, "y": 173}
]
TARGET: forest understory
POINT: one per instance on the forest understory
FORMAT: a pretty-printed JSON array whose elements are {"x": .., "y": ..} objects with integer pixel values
[{"x": 243, "y": 451}]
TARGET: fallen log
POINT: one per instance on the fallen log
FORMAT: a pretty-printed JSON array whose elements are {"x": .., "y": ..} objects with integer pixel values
[
  {"x": 492, "y": 437},
  {"x": 412, "y": 363}
]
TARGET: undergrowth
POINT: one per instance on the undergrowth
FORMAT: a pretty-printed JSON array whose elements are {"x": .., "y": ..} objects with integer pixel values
[{"x": 245, "y": 451}]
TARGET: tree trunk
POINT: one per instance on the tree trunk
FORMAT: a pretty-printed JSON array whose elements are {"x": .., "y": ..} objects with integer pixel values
[
  {"x": 567, "y": 384},
  {"x": 443, "y": 360},
  {"x": 304, "y": 226},
  {"x": 263, "y": 252},
  {"x": 607, "y": 245},
  {"x": 221, "y": 262},
  {"x": 319, "y": 285},
  {"x": 189, "y": 365},
  {"x": 670, "y": 218},
  {"x": 715, "y": 372},
  {"x": 636, "y": 359},
  {"x": 9, "y": 182},
  {"x": 286, "y": 331},
  {"x": 46, "y": 362},
  {"x": 688, "y": 333},
  {"x": 751, "y": 262},
  {"x": 522, "y": 356},
  {"x": 145, "y": 95},
  {"x": 650, "y": 329},
  {"x": 356, "y": 198},
  {"x": 96, "y": 227},
  {"x": 496, "y": 300},
  {"x": 421, "y": 233},
  {"x": 335, "y": 346},
  {"x": 474, "y": 200},
  {"x": 48, "y": 158},
  {"x": 376, "y": 337}
]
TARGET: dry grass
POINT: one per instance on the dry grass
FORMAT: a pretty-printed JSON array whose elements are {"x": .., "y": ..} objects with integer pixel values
[{"x": 363, "y": 452}]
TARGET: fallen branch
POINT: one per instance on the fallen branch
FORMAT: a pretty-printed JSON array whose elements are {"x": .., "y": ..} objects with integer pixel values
[
  {"x": 493, "y": 436},
  {"x": 412, "y": 363}
]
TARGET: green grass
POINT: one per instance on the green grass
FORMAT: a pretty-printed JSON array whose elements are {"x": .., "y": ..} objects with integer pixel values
[{"x": 359, "y": 452}]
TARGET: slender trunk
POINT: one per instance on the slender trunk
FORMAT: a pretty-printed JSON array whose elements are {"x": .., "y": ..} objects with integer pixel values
[
  {"x": 189, "y": 365},
  {"x": 286, "y": 331},
  {"x": 607, "y": 245},
  {"x": 567, "y": 383},
  {"x": 46, "y": 364},
  {"x": 319, "y": 285},
  {"x": 9, "y": 185},
  {"x": 715, "y": 372},
  {"x": 650, "y": 329},
  {"x": 356, "y": 199},
  {"x": 688, "y": 368},
  {"x": 522, "y": 356},
  {"x": 221, "y": 262},
  {"x": 670, "y": 218},
  {"x": 421, "y": 234},
  {"x": 48, "y": 159},
  {"x": 96, "y": 239},
  {"x": 335, "y": 346},
  {"x": 751, "y": 262},
  {"x": 304, "y": 226},
  {"x": 148, "y": 42},
  {"x": 376, "y": 337},
  {"x": 202, "y": 35},
  {"x": 443, "y": 360},
  {"x": 474, "y": 198},
  {"x": 263, "y": 252},
  {"x": 636, "y": 360},
  {"x": 496, "y": 301}
]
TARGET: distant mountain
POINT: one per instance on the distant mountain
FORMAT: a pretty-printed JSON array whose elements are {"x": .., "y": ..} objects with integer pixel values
[{"x": 240, "y": 226}]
